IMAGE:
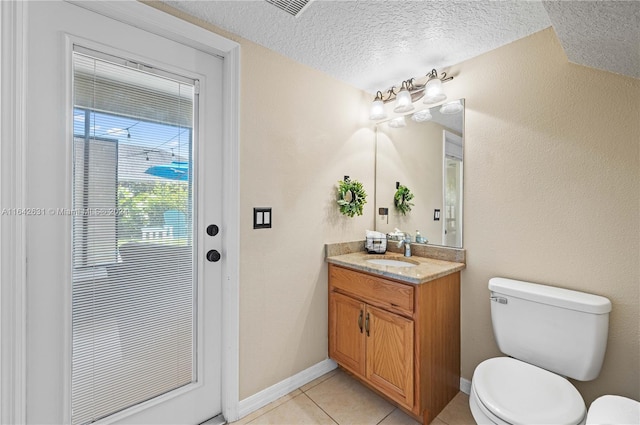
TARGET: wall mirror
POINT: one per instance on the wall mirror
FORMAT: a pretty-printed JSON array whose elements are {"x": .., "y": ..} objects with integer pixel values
[{"x": 426, "y": 156}]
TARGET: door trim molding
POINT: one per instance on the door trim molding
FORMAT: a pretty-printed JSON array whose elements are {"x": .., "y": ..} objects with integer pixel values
[
  {"x": 231, "y": 236},
  {"x": 13, "y": 32},
  {"x": 12, "y": 227}
]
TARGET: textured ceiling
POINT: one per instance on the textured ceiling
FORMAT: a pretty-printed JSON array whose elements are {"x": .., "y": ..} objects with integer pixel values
[
  {"x": 599, "y": 34},
  {"x": 373, "y": 44}
]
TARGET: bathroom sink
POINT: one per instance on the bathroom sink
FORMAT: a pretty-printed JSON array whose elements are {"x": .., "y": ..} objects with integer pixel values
[{"x": 390, "y": 262}]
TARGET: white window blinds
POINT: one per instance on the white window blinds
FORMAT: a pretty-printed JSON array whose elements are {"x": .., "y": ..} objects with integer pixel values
[{"x": 133, "y": 296}]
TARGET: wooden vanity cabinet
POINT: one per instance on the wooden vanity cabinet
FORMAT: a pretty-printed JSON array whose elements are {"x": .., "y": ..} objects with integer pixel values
[
  {"x": 400, "y": 339},
  {"x": 346, "y": 332},
  {"x": 373, "y": 344}
]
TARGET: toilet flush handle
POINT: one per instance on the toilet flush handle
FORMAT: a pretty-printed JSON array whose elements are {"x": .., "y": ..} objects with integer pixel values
[{"x": 501, "y": 300}]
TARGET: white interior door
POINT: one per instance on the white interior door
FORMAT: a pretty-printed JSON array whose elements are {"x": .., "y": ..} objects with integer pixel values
[
  {"x": 453, "y": 202},
  {"x": 84, "y": 161},
  {"x": 452, "y": 189}
]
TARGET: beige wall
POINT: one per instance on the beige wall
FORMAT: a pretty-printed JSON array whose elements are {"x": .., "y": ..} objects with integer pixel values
[
  {"x": 301, "y": 132},
  {"x": 552, "y": 194}
]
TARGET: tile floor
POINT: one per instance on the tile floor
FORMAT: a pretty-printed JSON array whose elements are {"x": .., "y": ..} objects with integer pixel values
[{"x": 337, "y": 398}]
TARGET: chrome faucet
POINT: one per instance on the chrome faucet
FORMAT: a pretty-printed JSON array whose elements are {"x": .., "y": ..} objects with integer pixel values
[{"x": 407, "y": 244}]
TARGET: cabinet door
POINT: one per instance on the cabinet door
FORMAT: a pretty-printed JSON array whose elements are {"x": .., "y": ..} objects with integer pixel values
[
  {"x": 346, "y": 332},
  {"x": 389, "y": 345}
]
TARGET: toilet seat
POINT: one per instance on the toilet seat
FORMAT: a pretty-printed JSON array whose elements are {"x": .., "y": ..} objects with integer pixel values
[{"x": 516, "y": 392}]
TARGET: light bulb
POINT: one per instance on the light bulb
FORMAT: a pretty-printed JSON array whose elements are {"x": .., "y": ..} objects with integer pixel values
[
  {"x": 433, "y": 91},
  {"x": 403, "y": 102},
  {"x": 377, "y": 111}
]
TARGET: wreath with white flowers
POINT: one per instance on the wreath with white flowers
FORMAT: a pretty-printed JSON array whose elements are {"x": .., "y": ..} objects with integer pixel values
[
  {"x": 351, "y": 197},
  {"x": 402, "y": 199}
]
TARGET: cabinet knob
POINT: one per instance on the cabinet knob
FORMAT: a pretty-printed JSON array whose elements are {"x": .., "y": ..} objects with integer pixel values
[{"x": 360, "y": 321}]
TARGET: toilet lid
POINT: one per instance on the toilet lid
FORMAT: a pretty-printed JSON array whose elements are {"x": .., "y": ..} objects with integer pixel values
[
  {"x": 614, "y": 409},
  {"x": 520, "y": 393}
]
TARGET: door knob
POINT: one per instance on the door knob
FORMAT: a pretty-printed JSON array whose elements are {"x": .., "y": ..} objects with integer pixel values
[
  {"x": 212, "y": 230},
  {"x": 213, "y": 256}
]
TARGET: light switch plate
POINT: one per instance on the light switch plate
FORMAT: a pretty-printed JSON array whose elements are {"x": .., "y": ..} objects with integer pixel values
[{"x": 262, "y": 218}]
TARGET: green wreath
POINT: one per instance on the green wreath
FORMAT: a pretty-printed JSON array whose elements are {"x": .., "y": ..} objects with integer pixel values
[
  {"x": 402, "y": 199},
  {"x": 351, "y": 197}
]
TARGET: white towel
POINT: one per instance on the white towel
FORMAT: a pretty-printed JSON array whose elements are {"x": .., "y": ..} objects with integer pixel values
[{"x": 376, "y": 242}]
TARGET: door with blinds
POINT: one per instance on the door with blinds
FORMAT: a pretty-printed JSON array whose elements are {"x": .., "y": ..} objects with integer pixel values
[{"x": 129, "y": 174}]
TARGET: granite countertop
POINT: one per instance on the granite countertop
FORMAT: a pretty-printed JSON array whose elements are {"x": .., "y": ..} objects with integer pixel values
[{"x": 425, "y": 270}]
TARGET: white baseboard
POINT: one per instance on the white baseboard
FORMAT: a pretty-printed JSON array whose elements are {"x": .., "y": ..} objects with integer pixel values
[
  {"x": 284, "y": 387},
  {"x": 465, "y": 386},
  {"x": 274, "y": 392}
]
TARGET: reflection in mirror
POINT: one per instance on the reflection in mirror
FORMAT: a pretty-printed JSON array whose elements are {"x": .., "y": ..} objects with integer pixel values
[{"x": 426, "y": 156}]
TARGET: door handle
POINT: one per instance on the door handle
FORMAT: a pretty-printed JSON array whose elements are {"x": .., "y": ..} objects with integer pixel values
[
  {"x": 366, "y": 324},
  {"x": 213, "y": 256},
  {"x": 360, "y": 321}
]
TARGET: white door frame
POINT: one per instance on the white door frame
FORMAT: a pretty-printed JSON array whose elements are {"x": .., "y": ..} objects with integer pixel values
[{"x": 13, "y": 130}]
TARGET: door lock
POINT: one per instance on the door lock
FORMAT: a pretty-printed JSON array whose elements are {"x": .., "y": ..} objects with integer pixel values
[
  {"x": 212, "y": 230},
  {"x": 213, "y": 256}
]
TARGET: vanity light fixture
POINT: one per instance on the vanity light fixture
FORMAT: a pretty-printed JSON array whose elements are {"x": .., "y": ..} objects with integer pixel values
[
  {"x": 410, "y": 92},
  {"x": 434, "y": 93},
  {"x": 403, "y": 98},
  {"x": 433, "y": 88},
  {"x": 377, "y": 108},
  {"x": 451, "y": 107}
]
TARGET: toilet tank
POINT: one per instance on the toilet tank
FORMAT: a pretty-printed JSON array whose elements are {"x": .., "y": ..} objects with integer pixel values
[{"x": 557, "y": 329}]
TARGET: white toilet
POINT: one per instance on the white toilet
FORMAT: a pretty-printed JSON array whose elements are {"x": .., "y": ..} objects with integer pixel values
[{"x": 549, "y": 333}]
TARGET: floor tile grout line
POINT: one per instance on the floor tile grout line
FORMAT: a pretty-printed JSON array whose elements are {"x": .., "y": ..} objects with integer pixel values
[
  {"x": 327, "y": 413},
  {"x": 382, "y": 420},
  {"x": 314, "y": 402},
  {"x": 319, "y": 383},
  {"x": 320, "y": 407}
]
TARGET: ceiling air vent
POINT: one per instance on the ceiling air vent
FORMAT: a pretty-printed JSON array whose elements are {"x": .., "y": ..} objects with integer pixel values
[{"x": 292, "y": 7}]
